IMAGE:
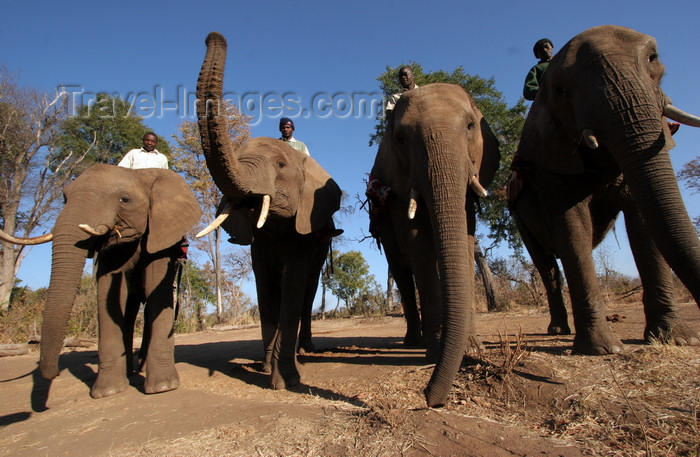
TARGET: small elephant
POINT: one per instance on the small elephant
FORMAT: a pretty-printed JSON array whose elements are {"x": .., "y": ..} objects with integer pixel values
[
  {"x": 595, "y": 143},
  {"x": 134, "y": 221},
  {"x": 436, "y": 156},
  {"x": 281, "y": 202}
]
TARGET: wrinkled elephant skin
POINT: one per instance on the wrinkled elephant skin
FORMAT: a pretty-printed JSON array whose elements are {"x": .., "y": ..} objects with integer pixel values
[
  {"x": 290, "y": 241},
  {"x": 133, "y": 220},
  {"x": 596, "y": 143},
  {"x": 437, "y": 150}
]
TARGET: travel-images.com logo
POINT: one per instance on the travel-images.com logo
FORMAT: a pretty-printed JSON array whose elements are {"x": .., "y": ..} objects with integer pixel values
[{"x": 256, "y": 106}]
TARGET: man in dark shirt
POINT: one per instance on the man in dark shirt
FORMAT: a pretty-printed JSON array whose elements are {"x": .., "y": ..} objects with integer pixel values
[{"x": 543, "y": 50}]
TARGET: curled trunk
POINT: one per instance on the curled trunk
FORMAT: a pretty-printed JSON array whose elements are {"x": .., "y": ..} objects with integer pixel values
[{"x": 211, "y": 116}]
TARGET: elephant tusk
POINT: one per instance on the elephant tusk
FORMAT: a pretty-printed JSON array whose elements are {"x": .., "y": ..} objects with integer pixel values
[
  {"x": 26, "y": 241},
  {"x": 263, "y": 211},
  {"x": 217, "y": 222},
  {"x": 412, "y": 204},
  {"x": 681, "y": 116},
  {"x": 477, "y": 187},
  {"x": 103, "y": 229},
  {"x": 590, "y": 139}
]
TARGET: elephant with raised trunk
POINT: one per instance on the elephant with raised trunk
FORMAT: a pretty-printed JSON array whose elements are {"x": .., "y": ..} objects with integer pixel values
[
  {"x": 278, "y": 200},
  {"x": 597, "y": 142},
  {"x": 437, "y": 155},
  {"x": 134, "y": 221}
]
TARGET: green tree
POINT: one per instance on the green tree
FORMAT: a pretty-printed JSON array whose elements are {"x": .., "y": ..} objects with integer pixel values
[
  {"x": 194, "y": 294},
  {"x": 350, "y": 278},
  {"x": 110, "y": 125}
]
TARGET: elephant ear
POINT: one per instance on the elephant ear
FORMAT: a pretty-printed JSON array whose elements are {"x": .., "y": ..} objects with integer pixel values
[
  {"x": 319, "y": 198},
  {"x": 543, "y": 140},
  {"x": 174, "y": 209},
  {"x": 491, "y": 156}
]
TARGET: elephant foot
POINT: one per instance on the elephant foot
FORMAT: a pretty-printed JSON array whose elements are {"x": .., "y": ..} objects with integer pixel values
[
  {"x": 671, "y": 333},
  {"x": 285, "y": 376},
  {"x": 557, "y": 327},
  {"x": 161, "y": 382},
  {"x": 597, "y": 342},
  {"x": 107, "y": 385},
  {"x": 413, "y": 339},
  {"x": 305, "y": 347}
]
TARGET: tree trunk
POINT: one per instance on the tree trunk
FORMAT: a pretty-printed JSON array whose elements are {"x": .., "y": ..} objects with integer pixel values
[
  {"x": 390, "y": 290},
  {"x": 217, "y": 272},
  {"x": 486, "y": 277}
]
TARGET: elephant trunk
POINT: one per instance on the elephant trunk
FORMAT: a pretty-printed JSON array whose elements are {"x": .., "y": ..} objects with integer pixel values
[
  {"x": 653, "y": 186},
  {"x": 454, "y": 239},
  {"x": 217, "y": 145},
  {"x": 66, "y": 270},
  {"x": 640, "y": 143}
]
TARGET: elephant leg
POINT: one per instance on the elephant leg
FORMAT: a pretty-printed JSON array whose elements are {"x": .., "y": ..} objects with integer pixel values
[
  {"x": 407, "y": 289},
  {"x": 573, "y": 231},
  {"x": 428, "y": 285},
  {"x": 159, "y": 315},
  {"x": 111, "y": 302},
  {"x": 266, "y": 268},
  {"x": 305, "y": 343},
  {"x": 662, "y": 320},
  {"x": 546, "y": 264},
  {"x": 131, "y": 311}
]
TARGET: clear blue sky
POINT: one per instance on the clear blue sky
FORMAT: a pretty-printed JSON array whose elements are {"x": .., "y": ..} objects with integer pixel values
[{"x": 324, "y": 47}]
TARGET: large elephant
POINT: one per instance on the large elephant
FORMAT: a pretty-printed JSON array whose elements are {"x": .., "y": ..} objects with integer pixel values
[
  {"x": 278, "y": 200},
  {"x": 438, "y": 153},
  {"x": 595, "y": 143},
  {"x": 133, "y": 220}
]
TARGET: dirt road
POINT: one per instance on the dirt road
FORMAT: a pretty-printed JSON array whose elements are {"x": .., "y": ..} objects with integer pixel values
[{"x": 361, "y": 395}]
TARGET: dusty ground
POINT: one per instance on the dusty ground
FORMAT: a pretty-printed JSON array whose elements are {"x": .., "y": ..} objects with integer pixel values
[{"x": 523, "y": 394}]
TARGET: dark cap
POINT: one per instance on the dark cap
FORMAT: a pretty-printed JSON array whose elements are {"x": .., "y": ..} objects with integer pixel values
[
  {"x": 540, "y": 44},
  {"x": 286, "y": 121}
]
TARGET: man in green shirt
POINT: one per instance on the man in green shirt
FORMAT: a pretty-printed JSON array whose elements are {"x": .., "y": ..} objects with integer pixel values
[{"x": 543, "y": 51}]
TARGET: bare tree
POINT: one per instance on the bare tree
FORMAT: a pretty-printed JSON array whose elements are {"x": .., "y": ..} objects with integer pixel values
[
  {"x": 189, "y": 161},
  {"x": 31, "y": 176}
]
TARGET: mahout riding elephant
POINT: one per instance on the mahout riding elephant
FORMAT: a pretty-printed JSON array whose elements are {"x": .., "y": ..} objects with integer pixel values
[
  {"x": 437, "y": 155},
  {"x": 133, "y": 220},
  {"x": 278, "y": 200},
  {"x": 596, "y": 142}
]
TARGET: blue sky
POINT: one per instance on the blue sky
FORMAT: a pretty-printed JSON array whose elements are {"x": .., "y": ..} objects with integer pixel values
[{"x": 319, "y": 49}]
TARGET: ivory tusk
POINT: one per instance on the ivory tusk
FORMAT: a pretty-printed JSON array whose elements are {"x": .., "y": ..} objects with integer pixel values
[
  {"x": 26, "y": 241},
  {"x": 681, "y": 116},
  {"x": 412, "y": 204},
  {"x": 263, "y": 211},
  {"x": 590, "y": 139},
  {"x": 93, "y": 231},
  {"x": 217, "y": 222},
  {"x": 477, "y": 187}
]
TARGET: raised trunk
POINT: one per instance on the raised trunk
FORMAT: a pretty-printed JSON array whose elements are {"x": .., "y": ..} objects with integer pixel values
[
  {"x": 66, "y": 270},
  {"x": 211, "y": 116}
]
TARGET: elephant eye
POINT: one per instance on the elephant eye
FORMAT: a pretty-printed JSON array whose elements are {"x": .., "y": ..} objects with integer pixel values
[
  {"x": 471, "y": 125},
  {"x": 653, "y": 57},
  {"x": 280, "y": 164},
  {"x": 124, "y": 199}
]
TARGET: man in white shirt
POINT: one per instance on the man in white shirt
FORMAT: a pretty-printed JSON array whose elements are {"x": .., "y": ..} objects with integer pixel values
[
  {"x": 405, "y": 77},
  {"x": 145, "y": 157},
  {"x": 286, "y": 129}
]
